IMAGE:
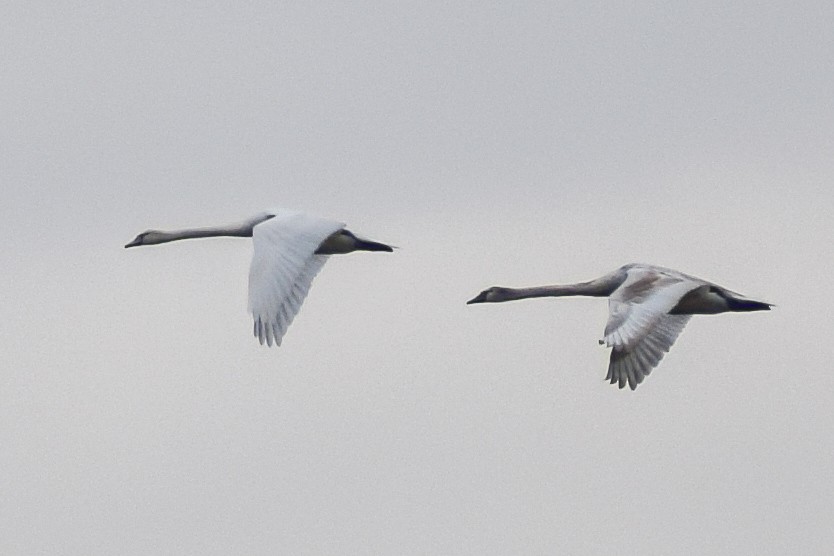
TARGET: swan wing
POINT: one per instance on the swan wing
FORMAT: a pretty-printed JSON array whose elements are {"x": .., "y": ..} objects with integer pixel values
[
  {"x": 640, "y": 329},
  {"x": 633, "y": 364},
  {"x": 284, "y": 263}
]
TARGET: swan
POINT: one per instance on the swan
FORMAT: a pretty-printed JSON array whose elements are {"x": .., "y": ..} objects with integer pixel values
[
  {"x": 290, "y": 248},
  {"x": 648, "y": 307}
]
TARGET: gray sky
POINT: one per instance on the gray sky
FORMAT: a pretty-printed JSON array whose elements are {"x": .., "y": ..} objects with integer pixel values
[{"x": 522, "y": 143}]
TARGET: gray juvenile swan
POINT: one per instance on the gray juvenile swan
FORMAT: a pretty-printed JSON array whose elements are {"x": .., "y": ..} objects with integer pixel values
[
  {"x": 290, "y": 248},
  {"x": 648, "y": 308}
]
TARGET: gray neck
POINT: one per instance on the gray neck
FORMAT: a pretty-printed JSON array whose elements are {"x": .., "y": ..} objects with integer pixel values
[
  {"x": 601, "y": 287},
  {"x": 594, "y": 288}
]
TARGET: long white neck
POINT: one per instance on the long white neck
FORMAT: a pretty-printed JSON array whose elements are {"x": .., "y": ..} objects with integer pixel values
[
  {"x": 239, "y": 229},
  {"x": 235, "y": 230}
]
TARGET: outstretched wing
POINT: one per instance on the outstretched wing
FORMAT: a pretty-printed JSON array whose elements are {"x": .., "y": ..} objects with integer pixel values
[
  {"x": 284, "y": 264},
  {"x": 640, "y": 329},
  {"x": 635, "y": 363}
]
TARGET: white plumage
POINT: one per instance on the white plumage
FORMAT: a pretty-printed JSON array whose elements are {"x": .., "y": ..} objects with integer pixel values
[
  {"x": 284, "y": 264},
  {"x": 290, "y": 248}
]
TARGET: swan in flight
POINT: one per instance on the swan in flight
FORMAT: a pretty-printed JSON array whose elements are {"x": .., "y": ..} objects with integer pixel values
[
  {"x": 648, "y": 306},
  {"x": 290, "y": 248}
]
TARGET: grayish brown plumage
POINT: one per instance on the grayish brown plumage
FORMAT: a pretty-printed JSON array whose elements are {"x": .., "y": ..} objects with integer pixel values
[{"x": 648, "y": 308}]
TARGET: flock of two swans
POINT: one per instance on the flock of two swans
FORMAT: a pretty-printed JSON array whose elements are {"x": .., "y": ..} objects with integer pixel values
[{"x": 648, "y": 305}]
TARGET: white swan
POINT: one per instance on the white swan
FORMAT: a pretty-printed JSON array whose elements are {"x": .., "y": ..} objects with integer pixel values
[
  {"x": 290, "y": 248},
  {"x": 648, "y": 308}
]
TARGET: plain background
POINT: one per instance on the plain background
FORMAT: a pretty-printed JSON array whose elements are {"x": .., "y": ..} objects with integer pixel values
[{"x": 511, "y": 143}]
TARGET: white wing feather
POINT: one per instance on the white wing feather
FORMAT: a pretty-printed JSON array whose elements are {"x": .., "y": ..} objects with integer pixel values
[
  {"x": 284, "y": 264},
  {"x": 635, "y": 363},
  {"x": 640, "y": 329}
]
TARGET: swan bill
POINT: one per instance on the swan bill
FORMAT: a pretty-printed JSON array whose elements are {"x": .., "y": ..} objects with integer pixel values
[{"x": 480, "y": 298}]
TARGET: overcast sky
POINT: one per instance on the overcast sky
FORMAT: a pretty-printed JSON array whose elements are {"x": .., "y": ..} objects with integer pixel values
[{"x": 511, "y": 143}]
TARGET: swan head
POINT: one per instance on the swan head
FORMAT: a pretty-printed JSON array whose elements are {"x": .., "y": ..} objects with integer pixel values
[
  {"x": 151, "y": 237},
  {"x": 490, "y": 295}
]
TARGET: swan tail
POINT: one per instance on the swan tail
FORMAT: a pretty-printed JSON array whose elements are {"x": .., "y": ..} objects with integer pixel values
[
  {"x": 743, "y": 305},
  {"x": 367, "y": 245},
  {"x": 344, "y": 241}
]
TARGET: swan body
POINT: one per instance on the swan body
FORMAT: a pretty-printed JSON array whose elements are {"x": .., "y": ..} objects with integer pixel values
[
  {"x": 290, "y": 248},
  {"x": 648, "y": 308}
]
